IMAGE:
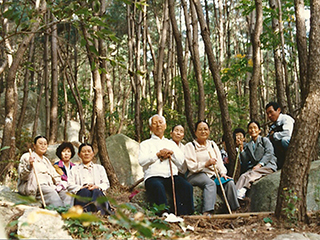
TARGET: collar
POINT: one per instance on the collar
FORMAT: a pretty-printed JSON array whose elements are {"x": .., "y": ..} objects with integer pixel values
[
  {"x": 61, "y": 164},
  {"x": 153, "y": 136},
  {"x": 88, "y": 167},
  {"x": 198, "y": 145},
  {"x": 279, "y": 118}
]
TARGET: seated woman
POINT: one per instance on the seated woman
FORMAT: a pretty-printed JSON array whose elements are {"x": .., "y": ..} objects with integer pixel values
[
  {"x": 65, "y": 152},
  {"x": 259, "y": 156},
  {"x": 89, "y": 180},
  {"x": 177, "y": 134},
  {"x": 49, "y": 179},
  {"x": 202, "y": 156}
]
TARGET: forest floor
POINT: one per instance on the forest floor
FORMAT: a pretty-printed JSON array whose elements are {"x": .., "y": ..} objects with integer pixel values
[{"x": 262, "y": 227}]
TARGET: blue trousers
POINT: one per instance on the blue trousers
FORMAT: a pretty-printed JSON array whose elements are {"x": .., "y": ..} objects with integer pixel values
[
  {"x": 157, "y": 187},
  {"x": 92, "y": 206}
]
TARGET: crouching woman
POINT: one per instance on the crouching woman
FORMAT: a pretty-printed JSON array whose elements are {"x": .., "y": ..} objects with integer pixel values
[{"x": 89, "y": 180}]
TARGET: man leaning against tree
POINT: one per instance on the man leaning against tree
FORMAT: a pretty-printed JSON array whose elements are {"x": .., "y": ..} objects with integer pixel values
[{"x": 280, "y": 131}]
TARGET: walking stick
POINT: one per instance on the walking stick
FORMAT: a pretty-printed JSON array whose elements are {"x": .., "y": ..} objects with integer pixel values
[
  {"x": 236, "y": 164},
  {"x": 173, "y": 188},
  {"x": 35, "y": 174},
  {"x": 222, "y": 189}
]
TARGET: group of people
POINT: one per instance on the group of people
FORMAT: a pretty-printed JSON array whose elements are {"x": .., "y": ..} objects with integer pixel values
[
  {"x": 87, "y": 181},
  {"x": 170, "y": 167},
  {"x": 201, "y": 163}
]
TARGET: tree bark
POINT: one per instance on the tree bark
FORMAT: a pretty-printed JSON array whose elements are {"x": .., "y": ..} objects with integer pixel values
[
  {"x": 256, "y": 73},
  {"x": 194, "y": 50},
  {"x": 302, "y": 47},
  {"x": 295, "y": 171},
  {"x": 277, "y": 60},
  {"x": 182, "y": 66},
  {"x": 159, "y": 66},
  {"x": 54, "y": 85},
  {"x": 214, "y": 68},
  {"x": 98, "y": 105},
  {"x": 46, "y": 75},
  {"x": 25, "y": 91}
]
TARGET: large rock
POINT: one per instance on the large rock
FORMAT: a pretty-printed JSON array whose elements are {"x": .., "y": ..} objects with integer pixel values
[
  {"x": 123, "y": 153},
  {"x": 39, "y": 223},
  {"x": 73, "y": 128},
  {"x": 220, "y": 207},
  {"x": 264, "y": 192},
  {"x": 29, "y": 116}
]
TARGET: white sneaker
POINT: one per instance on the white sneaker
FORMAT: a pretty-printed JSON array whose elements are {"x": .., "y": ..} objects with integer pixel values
[{"x": 241, "y": 193}]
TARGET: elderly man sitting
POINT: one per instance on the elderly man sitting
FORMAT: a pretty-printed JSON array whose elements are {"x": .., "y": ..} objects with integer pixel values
[{"x": 154, "y": 156}]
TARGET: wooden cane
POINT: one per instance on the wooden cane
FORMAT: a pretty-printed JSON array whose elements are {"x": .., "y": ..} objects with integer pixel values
[
  {"x": 36, "y": 175},
  {"x": 236, "y": 164},
  {"x": 173, "y": 188},
  {"x": 222, "y": 189}
]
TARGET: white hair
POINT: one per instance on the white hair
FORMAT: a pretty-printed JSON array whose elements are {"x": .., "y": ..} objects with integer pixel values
[{"x": 150, "y": 119}]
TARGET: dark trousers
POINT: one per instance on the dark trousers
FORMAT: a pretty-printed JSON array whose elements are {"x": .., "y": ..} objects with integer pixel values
[
  {"x": 157, "y": 187},
  {"x": 279, "y": 152},
  {"x": 92, "y": 205}
]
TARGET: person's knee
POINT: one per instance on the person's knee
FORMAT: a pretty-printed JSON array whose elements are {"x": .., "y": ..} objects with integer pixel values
[{"x": 285, "y": 142}]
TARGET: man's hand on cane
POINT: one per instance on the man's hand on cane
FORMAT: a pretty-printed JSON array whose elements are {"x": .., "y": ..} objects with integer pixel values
[{"x": 164, "y": 154}]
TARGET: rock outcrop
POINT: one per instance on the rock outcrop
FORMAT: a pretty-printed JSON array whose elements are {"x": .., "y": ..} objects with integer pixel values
[{"x": 264, "y": 192}]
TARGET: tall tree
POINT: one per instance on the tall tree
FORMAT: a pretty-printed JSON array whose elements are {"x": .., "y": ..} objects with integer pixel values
[
  {"x": 256, "y": 73},
  {"x": 278, "y": 58},
  {"x": 215, "y": 71},
  {"x": 182, "y": 66},
  {"x": 295, "y": 171},
  {"x": 54, "y": 84},
  {"x": 92, "y": 46}
]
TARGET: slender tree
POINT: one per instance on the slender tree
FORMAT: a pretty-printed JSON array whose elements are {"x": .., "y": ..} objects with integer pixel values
[
  {"x": 215, "y": 71},
  {"x": 256, "y": 73},
  {"x": 182, "y": 66}
]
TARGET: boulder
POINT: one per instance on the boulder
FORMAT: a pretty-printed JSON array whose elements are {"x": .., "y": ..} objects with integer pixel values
[
  {"x": 29, "y": 116},
  {"x": 264, "y": 192},
  {"x": 39, "y": 223},
  {"x": 73, "y": 128},
  {"x": 123, "y": 153},
  {"x": 141, "y": 199}
]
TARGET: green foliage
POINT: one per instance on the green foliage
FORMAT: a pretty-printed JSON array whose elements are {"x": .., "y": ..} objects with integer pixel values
[
  {"x": 267, "y": 220},
  {"x": 290, "y": 210}
]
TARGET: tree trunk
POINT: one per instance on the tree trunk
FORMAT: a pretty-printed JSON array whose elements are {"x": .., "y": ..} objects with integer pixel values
[
  {"x": 37, "y": 108},
  {"x": 11, "y": 95},
  {"x": 284, "y": 61},
  {"x": 98, "y": 105},
  {"x": 183, "y": 67},
  {"x": 75, "y": 93},
  {"x": 194, "y": 50},
  {"x": 214, "y": 68},
  {"x": 25, "y": 91},
  {"x": 159, "y": 66},
  {"x": 256, "y": 73},
  {"x": 295, "y": 171},
  {"x": 302, "y": 47},
  {"x": 277, "y": 60},
  {"x": 54, "y": 85},
  {"x": 46, "y": 75}
]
